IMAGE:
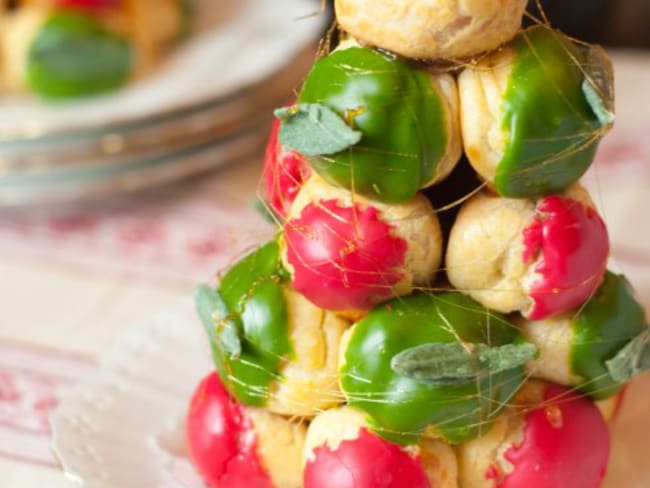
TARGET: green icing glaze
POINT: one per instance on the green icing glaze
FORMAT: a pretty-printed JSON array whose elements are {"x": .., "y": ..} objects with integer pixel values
[
  {"x": 553, "y": 132},
  {"x": 607, "y": 323},
  {"x": 253, "y": 295},
  {"x": 399, "y": 407},
  {"x": 398, "y": 111},
  {"x": 74, "y": 55}
]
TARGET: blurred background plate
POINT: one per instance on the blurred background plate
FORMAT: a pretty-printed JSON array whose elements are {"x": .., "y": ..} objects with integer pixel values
[{"x": 209, "y": 103}]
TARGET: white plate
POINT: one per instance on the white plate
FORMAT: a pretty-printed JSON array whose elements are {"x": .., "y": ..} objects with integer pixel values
[
  {"x": 217, "y": 90},
  {"x": 124, "y": 429}
]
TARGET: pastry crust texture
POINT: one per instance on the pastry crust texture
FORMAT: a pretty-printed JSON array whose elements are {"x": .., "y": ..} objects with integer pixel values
[
  {"x": 432, "y": 29},
  {"x": 447, "y": 87},
  {"x": 476, "y": 457},
  {"x": 280, "y": 443},
  {"x": 310, "y": 381},
  {"x": 553, "y": 338},
  {"x": 481, "y": 92}
]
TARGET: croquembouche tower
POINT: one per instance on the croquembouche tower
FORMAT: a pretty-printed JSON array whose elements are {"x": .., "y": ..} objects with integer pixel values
[{"x": 436, "y": 310}]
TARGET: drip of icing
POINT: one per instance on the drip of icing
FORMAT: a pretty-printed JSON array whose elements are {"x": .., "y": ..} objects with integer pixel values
[
  {"x": 566, "y": 443},
  {"x": 343, "y": 257},
  {"x": 284, "y": 173},
  {"x": 571, "y": 245},
  {"x": 222, "y": 440},
  {"x": 365, "y": 462}
]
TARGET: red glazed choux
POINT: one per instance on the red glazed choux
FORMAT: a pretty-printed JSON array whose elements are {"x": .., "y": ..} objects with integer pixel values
[
  {"x": 558, "y": 439},
  {"x": 284, "y": 173},
  {"x": 234, "y": 446},
  {"x": 347, "y": 252},
  {"x": 340, "y": 451},
  {"x": 539, "y": 257}
]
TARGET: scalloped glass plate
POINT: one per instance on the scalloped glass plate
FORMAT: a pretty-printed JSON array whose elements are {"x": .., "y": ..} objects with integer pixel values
[
  {"x": 123, "y": 429},
  {"x": 222, "y": 83}
]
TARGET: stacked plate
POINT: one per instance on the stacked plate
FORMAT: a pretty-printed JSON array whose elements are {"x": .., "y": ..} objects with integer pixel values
[{"x": 209, "y": 104}]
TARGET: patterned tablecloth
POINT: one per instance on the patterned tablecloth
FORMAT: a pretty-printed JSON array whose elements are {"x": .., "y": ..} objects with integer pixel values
[{"x": 71, "y": 278}]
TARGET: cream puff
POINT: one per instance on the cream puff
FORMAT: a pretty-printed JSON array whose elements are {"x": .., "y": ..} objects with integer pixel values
[
  {"x": 272, "y": 347},
  {"x": 539, "y": 257},
  {"x": 73, "y": 48},
  {"x": 432, "y": 29},
  {"x": 407, "y": 404},
  {"x": 576, "y": 349},
  {"x": 533, "y": 112},
  {"x": 551, "y": 438},
  {"x": 404, "y": 119},
  {"x": 341, "y": 451},
  {"x": 232, "y": 445},
  {"x": 344, "y": 251}
]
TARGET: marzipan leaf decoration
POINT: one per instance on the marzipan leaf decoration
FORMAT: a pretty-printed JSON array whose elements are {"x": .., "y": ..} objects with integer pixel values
[
  {"x": 632, "y": 359},
  {"x": 213, "y": 312},
  {"x": 313, "y": 129},
  {"x": 598, "y": 85},
  {"x": 442, "y": 364}
]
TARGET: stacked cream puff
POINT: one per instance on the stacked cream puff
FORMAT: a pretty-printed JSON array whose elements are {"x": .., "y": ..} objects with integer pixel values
[
  {"x": 436, "y": 309},
  {"x": 72, "y": 48}
]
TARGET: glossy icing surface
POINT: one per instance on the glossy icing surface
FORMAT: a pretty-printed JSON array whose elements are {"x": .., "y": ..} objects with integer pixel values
[
  {"x": 365, "y": 462},
  {"x": 253, "y": 293},
  {"x": 610, "y": 319},
  {"x": 399, "y": 407},
  {"x": 343, "y": 257},
  {"x": 284, "y": 172},
  {"x": 221, "y": 439},
  {"x": 570, "y": 244},
  {"x": 398, "y": 111},
  {"x": 553, "y": 132},
  {"x": 566, "y": 443}
]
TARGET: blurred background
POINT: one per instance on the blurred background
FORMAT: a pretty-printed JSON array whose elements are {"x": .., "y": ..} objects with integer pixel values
[{"x": 609, "y": 22}]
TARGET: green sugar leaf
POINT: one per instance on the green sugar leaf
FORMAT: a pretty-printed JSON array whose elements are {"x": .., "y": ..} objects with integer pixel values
[
  {"x": 632, "y": 359},
  {"x": 313, "y": 129},
  {"x": 440, "y": 364},
  {"x": 598, "y": 85},
  {"x": 214, "y": 313}
]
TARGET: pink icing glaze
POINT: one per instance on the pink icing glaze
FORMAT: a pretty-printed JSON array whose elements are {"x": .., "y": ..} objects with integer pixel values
[
  {"x": 221, "y": 439},
  {"x": 343, "y": 257},
  {"x": 571, "y": 245},
  {"x": 365, "y": 462},
  {"x": 565, "y": 444},
  {"x": 284, "y": 173}
]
